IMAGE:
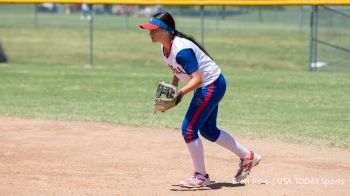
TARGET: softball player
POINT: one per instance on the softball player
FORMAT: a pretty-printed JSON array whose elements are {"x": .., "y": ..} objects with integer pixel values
[{"x": 192, "y": 64}]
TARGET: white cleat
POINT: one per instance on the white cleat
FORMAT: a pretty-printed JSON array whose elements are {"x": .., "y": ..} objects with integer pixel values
[
  {"x": 246, "y": 165},
  {"x": 196, "y": 181}
]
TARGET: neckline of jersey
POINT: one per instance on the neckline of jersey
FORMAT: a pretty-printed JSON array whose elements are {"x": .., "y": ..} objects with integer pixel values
[{"x": 171, "y": 46}]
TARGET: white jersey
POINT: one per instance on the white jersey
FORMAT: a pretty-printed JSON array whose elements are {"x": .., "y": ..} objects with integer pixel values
[{"x": 186, "y": 57}]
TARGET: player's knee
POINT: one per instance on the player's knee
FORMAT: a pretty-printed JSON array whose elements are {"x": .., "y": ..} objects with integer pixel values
[
  {"x": 210, "y": 133},
  {"x": 189, "y": 135}
]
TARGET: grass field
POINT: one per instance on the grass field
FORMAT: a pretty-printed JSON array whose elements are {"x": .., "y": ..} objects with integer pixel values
[
  {"x": 270, "y": 92},
  {"x": 292, "y": 106}
]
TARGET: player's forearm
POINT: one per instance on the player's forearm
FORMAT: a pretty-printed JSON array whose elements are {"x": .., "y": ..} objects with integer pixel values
[
  {"x": 175, "y": 81},
  {"x": 193, "y": 84}
]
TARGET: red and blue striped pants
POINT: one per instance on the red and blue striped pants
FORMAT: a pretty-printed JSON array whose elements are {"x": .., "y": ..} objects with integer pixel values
[{"x": 202, "y": 112}]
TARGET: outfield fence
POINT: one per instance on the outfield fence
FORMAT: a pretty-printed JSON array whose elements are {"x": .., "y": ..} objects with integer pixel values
[
  {"x": 329, "y": 38},
  {"x": 196, "y": 16}
]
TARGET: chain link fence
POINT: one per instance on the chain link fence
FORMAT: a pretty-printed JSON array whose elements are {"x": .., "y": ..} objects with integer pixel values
[{"x": 280, "y": 28}]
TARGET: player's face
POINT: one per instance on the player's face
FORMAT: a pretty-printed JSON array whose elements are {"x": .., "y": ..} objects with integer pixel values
[{"x": 158, "y": 35}]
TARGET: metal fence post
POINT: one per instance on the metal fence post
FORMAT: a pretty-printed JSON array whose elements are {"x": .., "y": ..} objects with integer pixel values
[
  {"x": 35, "y": 16},
  {"x": 311, "y": 38},
  {"x": 126, "y": 18},
  {"x": 316, "y": 34},
  {"x": 301, "y": 19},
  {"x": 202, "y": 24},
  {"x": 91, "y": 35},
  {"x": 223, "y": 12},
  {"x": 217, "y": 17}
]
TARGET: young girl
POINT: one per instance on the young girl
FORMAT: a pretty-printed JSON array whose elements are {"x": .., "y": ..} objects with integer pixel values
[{"x": 192, "y": 64}]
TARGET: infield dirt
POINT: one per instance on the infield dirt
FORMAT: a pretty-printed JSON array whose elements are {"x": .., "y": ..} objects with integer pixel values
[{"x": 46, "y": 157}]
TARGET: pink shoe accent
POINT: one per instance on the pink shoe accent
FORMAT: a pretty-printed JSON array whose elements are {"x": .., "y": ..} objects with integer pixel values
[
  {"x": 196, "y": 181},
  {"x": 246, "y": 165}
]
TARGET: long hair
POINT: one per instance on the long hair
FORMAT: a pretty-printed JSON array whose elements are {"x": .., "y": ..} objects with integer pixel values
[{"x": 169, "y": 20}]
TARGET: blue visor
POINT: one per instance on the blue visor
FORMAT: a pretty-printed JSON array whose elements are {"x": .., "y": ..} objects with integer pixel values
[{"x": 161, "y": 24}]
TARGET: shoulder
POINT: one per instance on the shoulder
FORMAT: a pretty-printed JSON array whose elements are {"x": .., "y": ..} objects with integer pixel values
[{"x": 182, "y": 43}]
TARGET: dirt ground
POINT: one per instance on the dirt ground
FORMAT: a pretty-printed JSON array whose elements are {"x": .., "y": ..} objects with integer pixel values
[{"x": 44, "y": 157}]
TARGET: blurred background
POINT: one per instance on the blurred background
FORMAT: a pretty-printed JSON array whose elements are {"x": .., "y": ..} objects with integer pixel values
[{"x": 271, "y": 37}]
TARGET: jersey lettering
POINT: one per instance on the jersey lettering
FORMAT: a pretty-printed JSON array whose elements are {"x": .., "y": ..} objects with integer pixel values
[{"x": 176, "y": 70}]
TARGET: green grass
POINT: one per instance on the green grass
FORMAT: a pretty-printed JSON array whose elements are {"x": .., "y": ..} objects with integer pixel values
[
  {"x": 118, "y": 47},
  {"x": 298, "y": 106},
  {"x": 270, "y": 92}
]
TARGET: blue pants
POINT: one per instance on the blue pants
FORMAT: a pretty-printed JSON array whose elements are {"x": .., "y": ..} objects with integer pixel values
[{"x": 202, "y": 112}]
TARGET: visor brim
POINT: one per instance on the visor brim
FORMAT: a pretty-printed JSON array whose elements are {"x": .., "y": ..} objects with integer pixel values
[{"x": 148, "y": 26}]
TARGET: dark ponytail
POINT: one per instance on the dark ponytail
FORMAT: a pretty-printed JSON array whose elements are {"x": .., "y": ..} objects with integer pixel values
[{"x": 169, "y": 20}]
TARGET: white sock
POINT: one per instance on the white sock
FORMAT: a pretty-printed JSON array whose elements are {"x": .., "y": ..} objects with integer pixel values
[
  {"x": 197, "y": 154},
  {"x": 227, "y": 141}
]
